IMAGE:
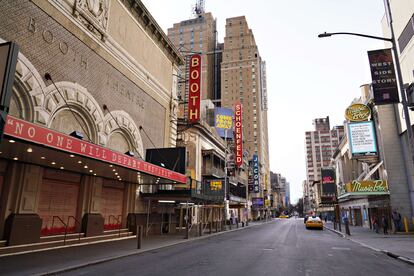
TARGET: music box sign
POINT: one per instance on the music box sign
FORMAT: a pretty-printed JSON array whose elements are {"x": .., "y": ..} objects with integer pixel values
[
  {"x": 368, "y": 186},
  {"x": 357, "y": 113}
]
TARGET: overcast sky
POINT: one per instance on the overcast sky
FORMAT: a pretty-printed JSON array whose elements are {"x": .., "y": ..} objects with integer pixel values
[{"x": 307, "y": 77}]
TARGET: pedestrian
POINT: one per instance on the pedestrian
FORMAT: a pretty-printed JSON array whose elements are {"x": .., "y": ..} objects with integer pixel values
[
  {"x": 375, "y": 224},
  {"x": 326, "y": 218},
  {"x": 384, "y": 222},
  {"x": 396, "y": 218}
]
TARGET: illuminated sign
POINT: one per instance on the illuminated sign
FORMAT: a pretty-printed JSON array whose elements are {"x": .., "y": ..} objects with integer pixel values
[
  {"x": 194, "y": 93},
  {"x": 223, "y": 121},
  {"x": 238, "y": 134},
  {"x": 256, "y": 179},
  {"x": 362, "y": 140},
  {"x": 328, "y": 187},
  {"x": 371, "y": 186},
  {"x": 257, "y": 202},
  {"x": 216, "y": 185},
  {"x": 49, "y": 138},
  {"x": 357, "y": 113}
]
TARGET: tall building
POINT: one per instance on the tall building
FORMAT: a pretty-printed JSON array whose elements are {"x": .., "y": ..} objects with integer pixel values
[
  {"x": 197, "y": 35},
  {"x": 396, "y": 149},
  {"x": 243, "y": 79},
  {"x": 52, "y": 181},
  {"x": 320, "y": 144}
]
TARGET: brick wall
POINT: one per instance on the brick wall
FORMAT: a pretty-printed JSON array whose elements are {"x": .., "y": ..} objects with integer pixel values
[{"x": 51, "y": 48}]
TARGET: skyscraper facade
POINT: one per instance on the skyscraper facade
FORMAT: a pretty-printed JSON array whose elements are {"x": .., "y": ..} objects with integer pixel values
[
  {"x": 197, "y": 35},
  {"x": 320, "y": 144},
  {"x": 243, "y": 79}
]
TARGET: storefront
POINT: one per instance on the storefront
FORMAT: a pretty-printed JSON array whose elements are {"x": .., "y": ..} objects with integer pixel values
[
  {"x": 363, "y": 201},
  {"x": 66, "y": 184}
]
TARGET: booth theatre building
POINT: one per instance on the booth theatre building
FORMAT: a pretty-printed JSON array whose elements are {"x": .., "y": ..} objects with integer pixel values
[{"x": 94, "y": 88}]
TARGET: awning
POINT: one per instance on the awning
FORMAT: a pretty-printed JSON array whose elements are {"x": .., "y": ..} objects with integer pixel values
[
  {"x": 356, "y": 195},
  {"x": 54, "y": 149}
]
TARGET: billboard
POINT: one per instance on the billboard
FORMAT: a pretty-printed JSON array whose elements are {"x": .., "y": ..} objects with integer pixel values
[
  {"x": 384, "y": 82},
  {"x": 215, "y": 185},
  {"x": 169, "y": 158},
  {"x": 257, "y": 202},
  {"x": 223, "y": 121},
  {"x": 362, "y": 141},
  {"x": 328, "y": 186},
  {"x": 238, "y": 134},
  {"x": 256, "y": 178},
  {"x": 194, "y": 93}
]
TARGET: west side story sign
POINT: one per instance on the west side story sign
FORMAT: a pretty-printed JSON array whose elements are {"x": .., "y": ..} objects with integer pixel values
[{"x": 384, "y": 82}]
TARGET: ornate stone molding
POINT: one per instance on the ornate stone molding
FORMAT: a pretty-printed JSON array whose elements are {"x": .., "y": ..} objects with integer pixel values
[
  {"x": 128, "y": 126},
  {"x": 94, "y": 15}
]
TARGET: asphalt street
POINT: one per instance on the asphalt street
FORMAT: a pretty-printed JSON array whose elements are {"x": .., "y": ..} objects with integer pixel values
[{"x": 284, "y": 247}]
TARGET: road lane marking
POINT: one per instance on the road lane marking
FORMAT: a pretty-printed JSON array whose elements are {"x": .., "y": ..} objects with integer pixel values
[{"x": 341, "y": 248}]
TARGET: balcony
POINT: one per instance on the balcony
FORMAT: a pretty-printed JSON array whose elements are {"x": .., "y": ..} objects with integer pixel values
[
  {"x": 195, "y": 191},
  {"x": 212, "y": 171},
  {"x": 213, "y": 164}
]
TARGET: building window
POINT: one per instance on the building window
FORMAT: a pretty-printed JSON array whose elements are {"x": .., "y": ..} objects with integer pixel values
[{"x": 406, "y": 34}]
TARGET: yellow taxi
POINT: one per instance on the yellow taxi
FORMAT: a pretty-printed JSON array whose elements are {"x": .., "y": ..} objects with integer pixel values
[
  {"x": 283, "y": 216},
  {"x": 314, "y": 222}
]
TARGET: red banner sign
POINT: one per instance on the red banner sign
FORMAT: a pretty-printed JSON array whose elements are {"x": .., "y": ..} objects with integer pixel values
[
  {"x": 238, "y": 136},
  {"x": 194, "y": 93},
  {"x": 40, "y": 135}
]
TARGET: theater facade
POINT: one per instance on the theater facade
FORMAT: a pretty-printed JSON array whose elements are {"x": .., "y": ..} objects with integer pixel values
[{"x": 94, "y": 88}]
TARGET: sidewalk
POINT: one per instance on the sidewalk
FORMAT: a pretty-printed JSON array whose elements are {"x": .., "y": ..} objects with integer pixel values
[
  {"x": 49, "y": 262},
  {"x": 398, "y": 245}
]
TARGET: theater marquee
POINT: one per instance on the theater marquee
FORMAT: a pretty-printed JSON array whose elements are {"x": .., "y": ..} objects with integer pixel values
[{"x": 30, "y": 132}]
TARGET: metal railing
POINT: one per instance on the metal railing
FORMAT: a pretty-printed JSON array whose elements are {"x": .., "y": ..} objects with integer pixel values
[
  {"x": 118, "y": 220},
  {"x": 77, "y": 222},
  {"x": 66, "y": 226}
]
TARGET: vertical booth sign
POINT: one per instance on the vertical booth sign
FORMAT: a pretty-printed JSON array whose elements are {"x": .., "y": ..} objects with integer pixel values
[
  {"x": 238, "y": 136},
  {"x": 194, "y": 93}
]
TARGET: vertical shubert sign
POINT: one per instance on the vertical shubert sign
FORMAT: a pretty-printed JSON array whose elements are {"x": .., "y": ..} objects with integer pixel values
[
  {"x": 194, "y": 93},
  {"x": 238, "y": 134}
]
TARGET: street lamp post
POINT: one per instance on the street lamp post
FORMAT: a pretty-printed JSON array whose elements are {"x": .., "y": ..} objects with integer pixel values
[{"x": 400, "y": 83}]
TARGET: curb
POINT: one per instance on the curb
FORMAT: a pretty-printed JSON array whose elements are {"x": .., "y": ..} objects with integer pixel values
[
  {"x": 388, "y": 253},
  {"x": 335, "y": 231},
  {"x": 141, "y": 251}
]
